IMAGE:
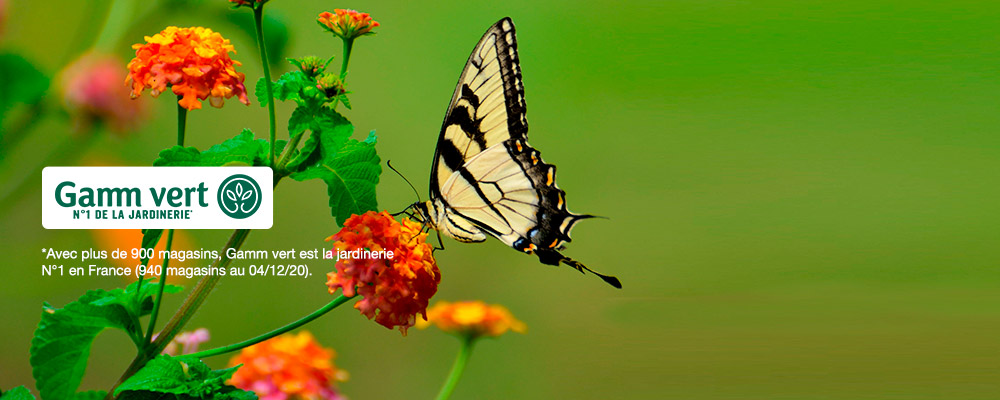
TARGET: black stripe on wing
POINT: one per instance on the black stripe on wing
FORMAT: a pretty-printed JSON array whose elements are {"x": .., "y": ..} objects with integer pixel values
[
  {"x": 464, "y": 115},
  {"x": 553, "y": 219}
]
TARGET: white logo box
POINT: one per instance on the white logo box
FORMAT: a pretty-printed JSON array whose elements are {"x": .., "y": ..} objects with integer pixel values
[{"x": 111, "y": 189}]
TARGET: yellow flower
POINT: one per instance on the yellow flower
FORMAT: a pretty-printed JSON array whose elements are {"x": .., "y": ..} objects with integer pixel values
[
  {"x": 288, "y": 366},
  {"x": 473, "y": 318},
  {"x": 193, "y": 61}
]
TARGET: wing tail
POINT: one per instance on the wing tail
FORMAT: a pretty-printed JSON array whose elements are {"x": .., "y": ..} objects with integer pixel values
[{"x": 552, "y": 257}]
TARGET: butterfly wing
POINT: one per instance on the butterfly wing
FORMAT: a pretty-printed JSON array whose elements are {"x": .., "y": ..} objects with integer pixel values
[{"x": 486, "y": 177}]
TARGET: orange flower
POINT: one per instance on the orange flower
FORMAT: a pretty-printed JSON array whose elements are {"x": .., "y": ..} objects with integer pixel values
[
  {"x": 347, "y": 24},
  {"x": 194, "y": 61},
  {"x": 473, "y": 318},
  {"x": 288, "y": 366},
  {"x": 92, "y": 93},
  {"x": 395, "y": 288}
]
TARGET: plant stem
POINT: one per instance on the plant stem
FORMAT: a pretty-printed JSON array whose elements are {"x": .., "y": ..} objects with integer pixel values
[
  {"x": 159, "y": 296},
  {"x": 258, "y": 18},
  {"x": 457, "y": 368},
  {"x": 348, "y": 46},
  {"x": 181, "y": 121},
  {"x": 250, "y": 342}
]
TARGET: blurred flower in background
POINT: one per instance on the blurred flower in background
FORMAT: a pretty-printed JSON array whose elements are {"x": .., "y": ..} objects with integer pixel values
[
  {"x": 347, "y": 24},
  {"x": 193, "y": 61},
  {"x": 290, "y": 366},
  {"x": 472, "y": 318},
  {"x": 3, "y": 16},
  {"x": 186, "y": 342},
  {"x": 90, "y": 88},
  {"x": 395, "y": 290}
]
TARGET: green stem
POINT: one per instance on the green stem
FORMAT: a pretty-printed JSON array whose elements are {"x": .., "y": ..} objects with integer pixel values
[
  {"x": 250, "y": 342},
  {"x": 258, "y": 18},
  {"x": 181, "y": 121},
  {"x": 286, "y": 156},
  {"x": 457, "y": 368},
  {"x": 159, "y": 296},
  {"x": 348, "y": 46}
]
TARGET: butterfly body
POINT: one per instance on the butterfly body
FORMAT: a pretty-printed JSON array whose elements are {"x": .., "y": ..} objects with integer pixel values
[{"x": 486, "y": 180}]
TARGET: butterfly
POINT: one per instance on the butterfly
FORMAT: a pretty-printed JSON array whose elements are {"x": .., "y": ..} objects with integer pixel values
[{"x": 486, "y": 179}]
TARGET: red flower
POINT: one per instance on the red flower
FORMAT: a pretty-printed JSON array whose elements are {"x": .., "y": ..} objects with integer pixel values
[
  {"x": 194, "y": 61},
  {"x": 347, "y": 24},
  {"x": 395, "y": 287}
]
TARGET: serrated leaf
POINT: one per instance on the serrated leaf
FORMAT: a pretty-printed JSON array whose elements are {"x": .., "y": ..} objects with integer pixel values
[
  {"x": 243, "y": 149},
  {"x": 182, "y": 377},
  {"x": 261, "y": 92},
  {"x": 18, "y": 393},
  {"x": 299, "y": 121},
  {"x": 343, "y": 99},
  {"x": 351, "y": 173},
  {"x": 287, "y": 87},
  {"x": 61, "y": 344}
]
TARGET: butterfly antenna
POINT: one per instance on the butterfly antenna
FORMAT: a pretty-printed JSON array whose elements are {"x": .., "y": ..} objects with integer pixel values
[{"x": 389, "y": 163}]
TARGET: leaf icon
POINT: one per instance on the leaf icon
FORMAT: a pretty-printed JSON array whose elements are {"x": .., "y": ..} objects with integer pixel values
[
  {"x": 230, "y": 195},
  {"x": 239, "y": 189},
  {"x": 246, "y": 195}
]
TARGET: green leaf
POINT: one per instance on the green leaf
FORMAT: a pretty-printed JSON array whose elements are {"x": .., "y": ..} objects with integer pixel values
[
  {"x": 290, "y": 84},
  {"x": 61, "y": 345},
  {"x": 243, "y": 149},
  {"x": 18, "y": 393},
  {"x": 91, "y": 395},
  {"x": 180, "y": 378},
  {"x": 29, "y": 87},
  {"x": 343, "y": 99},
  {"x": 150, "y": 237},
  {"x": 261, "y": 92},
  {"x": 299, "y": 121},
  {"x": 351, "y": 171}
]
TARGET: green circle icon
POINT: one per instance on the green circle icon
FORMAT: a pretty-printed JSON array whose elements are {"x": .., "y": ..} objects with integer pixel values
[{"x": 239, "y": 196}]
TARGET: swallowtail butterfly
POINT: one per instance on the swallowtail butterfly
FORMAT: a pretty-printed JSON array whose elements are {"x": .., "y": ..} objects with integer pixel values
[{"x": 486, "y": 179}]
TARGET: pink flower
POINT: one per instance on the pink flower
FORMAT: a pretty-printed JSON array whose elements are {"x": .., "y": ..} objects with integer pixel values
[
  {"x": 187, "y": 341},
  {"x": 91, "y": 91}
]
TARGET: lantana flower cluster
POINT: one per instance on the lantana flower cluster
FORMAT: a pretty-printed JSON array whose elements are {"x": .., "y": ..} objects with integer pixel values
[
  {"x": 347, "y": 24},
  {"x": 193, "y": 61},
  {"x": 290, "y": 366},
  {"x": 394, "y": 290},
  {"x": 472, "y": 318}
]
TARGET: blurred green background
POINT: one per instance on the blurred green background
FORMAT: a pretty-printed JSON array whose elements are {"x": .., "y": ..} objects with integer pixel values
[{"x": 802, "y": 198}]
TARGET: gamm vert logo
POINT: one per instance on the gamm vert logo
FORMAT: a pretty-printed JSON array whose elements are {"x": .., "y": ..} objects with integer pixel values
[{"x": 239, "y": 196}]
